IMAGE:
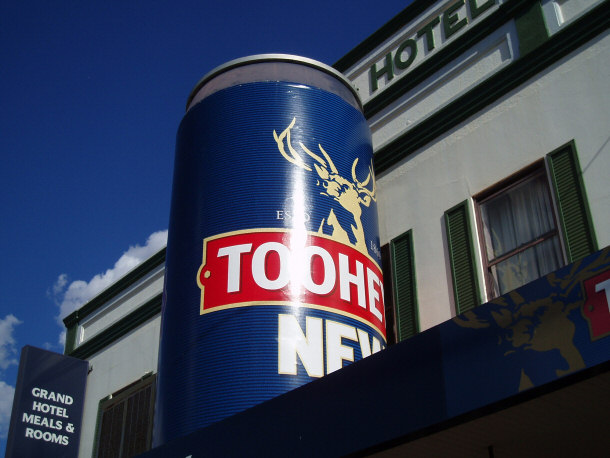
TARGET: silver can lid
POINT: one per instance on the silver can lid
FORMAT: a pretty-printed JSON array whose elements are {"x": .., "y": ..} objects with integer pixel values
[{"x": 275, "y": 67}]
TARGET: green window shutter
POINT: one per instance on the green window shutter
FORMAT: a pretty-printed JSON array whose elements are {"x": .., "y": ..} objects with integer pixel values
[
  {"x": 461, "y": 258},
  {"x": 575, "y": 219},
  {"x": 405, "y": 297},
  {"x": 70, "y": 339}
]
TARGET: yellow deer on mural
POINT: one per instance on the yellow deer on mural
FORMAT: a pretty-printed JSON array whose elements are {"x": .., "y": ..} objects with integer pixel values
[{"x": 541, "y": 325}]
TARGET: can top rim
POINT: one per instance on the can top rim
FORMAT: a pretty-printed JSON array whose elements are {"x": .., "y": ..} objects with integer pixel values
[{"x": 259, "y": 58}]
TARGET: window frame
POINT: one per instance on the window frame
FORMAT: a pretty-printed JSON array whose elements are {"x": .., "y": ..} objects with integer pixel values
[{"x": 533, "y": 171}]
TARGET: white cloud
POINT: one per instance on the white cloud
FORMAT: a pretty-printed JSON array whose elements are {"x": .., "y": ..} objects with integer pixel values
[
  {"x": 59, "y": 284},
  {"x": 62, "y": 338},
  {"x": 8, "y": 357},
  {"x": 79, "y": 292},
  {"x": 8, "y": 352},
  {"x": 7, "y": 393}
]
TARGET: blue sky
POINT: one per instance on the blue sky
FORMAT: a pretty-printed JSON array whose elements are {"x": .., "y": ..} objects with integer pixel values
[{"x": 91, "y": 95}]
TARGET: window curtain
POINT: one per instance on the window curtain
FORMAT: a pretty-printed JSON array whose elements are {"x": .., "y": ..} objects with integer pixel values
[{"x": 513, "y": 219}]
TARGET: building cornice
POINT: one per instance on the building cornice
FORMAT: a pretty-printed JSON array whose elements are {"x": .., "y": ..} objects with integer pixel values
[
  {"x": 506, "y": 12},
  {"x": 130, "y": 322},
  {"x": 124, "y": 282},
  {"x": 556, "y": 47},
  {"x": 386, "y": 31}
]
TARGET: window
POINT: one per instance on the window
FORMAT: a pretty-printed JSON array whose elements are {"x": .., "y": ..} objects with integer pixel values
[
  {"x": 125, "y": 420},
  {"x": 518, "y": 230}
]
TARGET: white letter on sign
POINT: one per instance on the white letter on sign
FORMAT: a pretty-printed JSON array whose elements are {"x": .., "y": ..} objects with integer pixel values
[
  {"x": 259, "y": 272},
  {"x": 346, "y": 278},
  {"x": 373, "y": 294},
  {"x": 292, "y": 342},
  {"x": 234, "y": 254},
  {"x": 336, "y": 352},
  {"x": 605, "y": 286},
  {"x": 365, "y": 344},
  {"x": 330, "y": 276}
]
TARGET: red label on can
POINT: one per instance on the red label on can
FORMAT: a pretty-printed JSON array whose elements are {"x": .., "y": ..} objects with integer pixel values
[{"x": 288, "y": 267}]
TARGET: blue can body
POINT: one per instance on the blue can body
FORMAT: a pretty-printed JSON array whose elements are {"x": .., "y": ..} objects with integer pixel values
[{"x": 243, "y": 169}]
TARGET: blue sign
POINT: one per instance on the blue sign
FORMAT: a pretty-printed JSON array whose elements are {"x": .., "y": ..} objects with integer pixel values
[{"x": 48, "y": 405}]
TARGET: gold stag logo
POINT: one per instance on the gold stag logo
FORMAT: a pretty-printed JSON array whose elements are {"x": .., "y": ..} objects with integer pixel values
[
  {"x": 350, "y": 194},
  {"x": 539, "y": 325}
]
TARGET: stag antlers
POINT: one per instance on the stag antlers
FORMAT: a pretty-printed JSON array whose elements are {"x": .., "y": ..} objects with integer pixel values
[
  {"x": 325, "y": 165},
  {"x": 349, "y": 194}
]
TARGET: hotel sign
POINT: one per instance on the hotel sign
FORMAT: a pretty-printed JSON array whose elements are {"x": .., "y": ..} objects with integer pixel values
[
  {"x": 433, "y": 34},
  {"x": 48, "y": 405}
]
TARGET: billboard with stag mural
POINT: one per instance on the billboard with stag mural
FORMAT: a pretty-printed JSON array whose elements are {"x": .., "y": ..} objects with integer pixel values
[{"x": 552, "y": 327}]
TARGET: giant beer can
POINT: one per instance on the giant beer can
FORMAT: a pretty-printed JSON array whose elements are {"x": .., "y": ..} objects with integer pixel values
[{"x": 273, "y": 264}]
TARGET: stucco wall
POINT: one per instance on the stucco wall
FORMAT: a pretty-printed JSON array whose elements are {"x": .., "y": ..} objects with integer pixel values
[
  {"x": 121, "y": 363},
  {"x": 568, "y": 101}
]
